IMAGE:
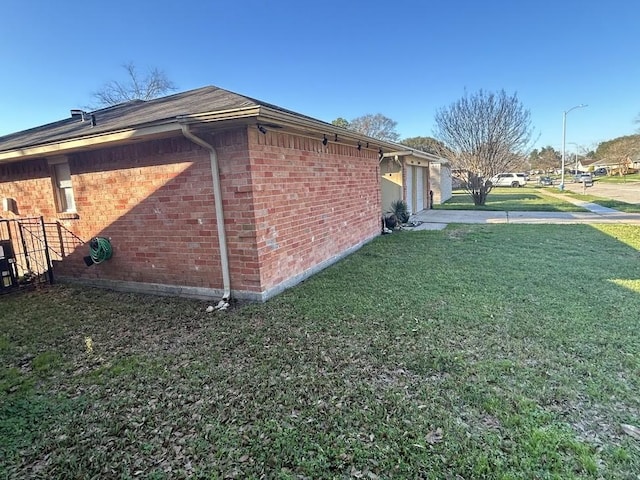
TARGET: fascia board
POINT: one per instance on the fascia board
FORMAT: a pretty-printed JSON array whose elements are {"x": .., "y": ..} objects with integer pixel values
[
  {"x": 75, "y": 144},
  {"x": 301, "y": 122}
]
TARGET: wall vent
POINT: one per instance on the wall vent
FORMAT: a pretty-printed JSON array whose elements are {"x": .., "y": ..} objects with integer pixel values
[{"x": 10, "y": 205}]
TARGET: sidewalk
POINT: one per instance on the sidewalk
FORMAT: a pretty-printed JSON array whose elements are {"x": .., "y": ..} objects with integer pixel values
[
  {"x": 592, "y": 207},
  {"x": 439, "y": 219}
]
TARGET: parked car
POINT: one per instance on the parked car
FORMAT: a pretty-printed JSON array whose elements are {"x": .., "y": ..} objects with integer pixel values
[
  {"x": 508, "y": 180},
  {"x": 584, "y": 178},
  {"x": 545, "y": 181},
  {"x": 599, "y": 171}
]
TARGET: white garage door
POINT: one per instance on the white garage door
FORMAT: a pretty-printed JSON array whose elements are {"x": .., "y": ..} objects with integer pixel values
[
  {"x": 419, "y": 175},
  {"x": 410, "y": 190},
  {"x": 416, "y": 189}
]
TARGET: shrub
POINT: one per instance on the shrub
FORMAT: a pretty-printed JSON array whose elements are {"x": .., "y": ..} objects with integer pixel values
[
  {"x": 390, "y": 221},
  {"x": 400, "y": 210}
]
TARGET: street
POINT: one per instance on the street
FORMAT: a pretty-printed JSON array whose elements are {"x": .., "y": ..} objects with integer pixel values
[{"x": 625, "y": 192}]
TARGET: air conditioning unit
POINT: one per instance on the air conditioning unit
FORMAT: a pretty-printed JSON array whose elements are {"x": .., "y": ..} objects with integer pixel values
[{"x": 8, "y": 277}]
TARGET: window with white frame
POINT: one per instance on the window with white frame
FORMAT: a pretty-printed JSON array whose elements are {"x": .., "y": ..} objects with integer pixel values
[{"x": 62, "y": 184}]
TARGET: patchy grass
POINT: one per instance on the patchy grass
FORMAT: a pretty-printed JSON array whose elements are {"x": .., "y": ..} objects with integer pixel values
[
  {"x": 479, "y": 351},
  {"x": 511, "y": 199}
]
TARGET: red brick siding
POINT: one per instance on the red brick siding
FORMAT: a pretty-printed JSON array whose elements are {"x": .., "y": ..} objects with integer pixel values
[
  {"x": 290, "y": 203},
  {"x": 239, "y": 211},
  {"x": 154, "y": 200},
  {"x": 312, "y": 202},
  {"x": 30, "y": 184}
]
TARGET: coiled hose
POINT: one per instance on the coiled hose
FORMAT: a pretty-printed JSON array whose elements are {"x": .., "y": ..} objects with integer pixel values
[{"x": 100, "y": 249}]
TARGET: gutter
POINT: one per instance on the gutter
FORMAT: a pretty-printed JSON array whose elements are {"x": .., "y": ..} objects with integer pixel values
[
  {"x": 265, "y": 114},
  {"x": 75, "y": 144},
  {"x": 429, "y": 157},
  {"x": 217, "y": 196}
]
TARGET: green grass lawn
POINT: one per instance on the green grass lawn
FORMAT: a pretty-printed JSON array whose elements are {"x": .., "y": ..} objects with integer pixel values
[
  {"x": 478, "y": 351},
  {"x": 528, "y": 198},
  {"x": 606, "y": 202},
  {"x": 635, "y": 177}
]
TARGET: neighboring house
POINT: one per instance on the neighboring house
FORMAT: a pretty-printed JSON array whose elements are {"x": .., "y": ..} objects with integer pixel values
[
  {"x": 411, "y": 176},
  {"x": 204, "y": 193},
  {"x": 599, "y": 164},
  {"x": 584, "y": 165},
  {"x": 614, "y": 166}
]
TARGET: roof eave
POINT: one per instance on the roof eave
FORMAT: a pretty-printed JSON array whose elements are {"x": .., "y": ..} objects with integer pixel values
[
  {"x": 87, "y": 142},
  {"x": 297, "y": 121},
  {"x": 414, "y": 153},
  {"x": 135, "y": 132},
  {"x": 261, "y": 114}
]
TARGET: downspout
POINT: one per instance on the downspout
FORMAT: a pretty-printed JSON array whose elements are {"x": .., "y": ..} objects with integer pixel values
[{"x": 217, "y": 197}]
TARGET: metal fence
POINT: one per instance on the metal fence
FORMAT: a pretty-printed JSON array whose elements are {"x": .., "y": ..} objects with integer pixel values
[{"x": 30, "y": 246}]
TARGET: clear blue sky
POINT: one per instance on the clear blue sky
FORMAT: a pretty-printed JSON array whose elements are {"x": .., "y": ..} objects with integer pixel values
[{"x": 402, "y": 58}]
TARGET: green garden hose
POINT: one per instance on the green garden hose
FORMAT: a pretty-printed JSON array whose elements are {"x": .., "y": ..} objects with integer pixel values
[{"x": 100, "y": 249}]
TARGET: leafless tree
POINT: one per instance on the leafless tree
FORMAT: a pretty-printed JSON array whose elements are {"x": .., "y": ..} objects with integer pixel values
[
  {"x": 136, "y": 87},
  {"x": 485, "y": 133}
]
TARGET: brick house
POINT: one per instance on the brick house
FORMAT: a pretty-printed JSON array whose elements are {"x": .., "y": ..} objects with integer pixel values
[{"x": 204, "y": 193}]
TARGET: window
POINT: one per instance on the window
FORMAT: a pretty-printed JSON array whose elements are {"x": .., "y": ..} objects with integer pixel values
[{"x": 62, "y": 185}]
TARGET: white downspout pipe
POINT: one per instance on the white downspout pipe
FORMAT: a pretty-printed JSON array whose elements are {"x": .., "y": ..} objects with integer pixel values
[{"x": 217, "y": 197}]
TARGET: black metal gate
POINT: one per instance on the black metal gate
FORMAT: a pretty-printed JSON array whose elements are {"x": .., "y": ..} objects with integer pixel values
[
  {"x": 24, "y": 255},
  {"x": 29, "y": 248}
]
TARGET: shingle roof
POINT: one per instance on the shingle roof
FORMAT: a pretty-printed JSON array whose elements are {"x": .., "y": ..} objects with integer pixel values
[
  {"x": 132, "y": 114},
  {"x": 137, "y": 114}
]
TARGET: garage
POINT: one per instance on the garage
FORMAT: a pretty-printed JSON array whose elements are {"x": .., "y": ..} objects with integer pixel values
[
  {"x": 416, "y": 188},
  {"x": 405, "y": 176}
]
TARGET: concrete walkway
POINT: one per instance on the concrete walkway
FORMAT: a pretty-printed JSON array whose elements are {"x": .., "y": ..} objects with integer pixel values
[
  {"x": 592, "y": 207},
  {"x": 439, "y": 219}
]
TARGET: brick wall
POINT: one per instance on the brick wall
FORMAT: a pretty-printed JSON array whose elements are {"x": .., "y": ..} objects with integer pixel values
[
  {"x": 311, "y": 201},
  {"x": 153, "y": 199},
  {"x": 30, "y": 184},
  {"x": 290, "y": 204}
]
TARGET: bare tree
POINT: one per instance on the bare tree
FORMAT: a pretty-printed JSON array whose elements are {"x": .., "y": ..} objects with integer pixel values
[
  {"x": 375, "y": 126},
  {"x": 153, "y": 85},
  {"x": 486, "y": 133}
]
